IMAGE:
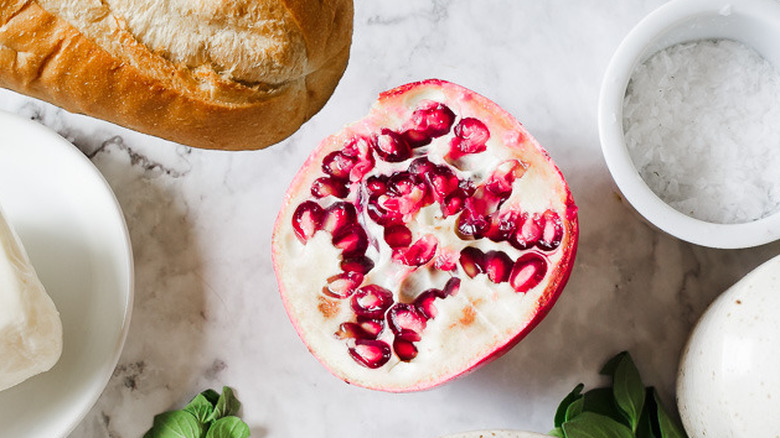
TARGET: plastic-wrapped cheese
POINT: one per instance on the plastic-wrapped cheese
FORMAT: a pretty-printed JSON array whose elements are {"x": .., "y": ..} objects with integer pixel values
[{"x": 30, "y": 325}]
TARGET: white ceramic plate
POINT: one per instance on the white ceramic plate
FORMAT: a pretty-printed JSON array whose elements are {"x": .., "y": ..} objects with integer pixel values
[
  {"x": 497, "y": 434},
  {"x": 75, "y": 234}
]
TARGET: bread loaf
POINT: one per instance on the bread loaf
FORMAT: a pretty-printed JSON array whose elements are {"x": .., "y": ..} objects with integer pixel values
[{"x": 218, "y": 74}]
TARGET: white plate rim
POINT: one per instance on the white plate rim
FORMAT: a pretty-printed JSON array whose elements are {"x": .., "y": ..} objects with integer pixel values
[{"x": 496, "y": 433}]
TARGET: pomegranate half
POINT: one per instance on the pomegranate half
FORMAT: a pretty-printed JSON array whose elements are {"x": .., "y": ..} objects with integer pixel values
[{"x": 423, "y": 240}]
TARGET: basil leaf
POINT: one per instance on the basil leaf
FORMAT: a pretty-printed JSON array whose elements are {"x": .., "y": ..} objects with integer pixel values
[
  {"x": 228, "y": 427},
  {"x": 560, "y": 413},
  {"x": 175, "y": 424},
  {"x": 557, "y": 432},
  {"x": 602, "y": 401},
  {"x": 644, "y": 428},
  {"x": 211, "y": 395},
  {"x": 628, "y": 388},
  {"x": 227, "y": 405},
  {"x": 590, "y": 425},
  {"x": 200, "y": 407},
  {"x": 575, "y": 408},
  {"x": 667, "y": 427},
  {"x": 609, "y": 368}
]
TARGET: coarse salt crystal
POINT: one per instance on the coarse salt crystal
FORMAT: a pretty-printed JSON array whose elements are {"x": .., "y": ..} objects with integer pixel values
[{"x": 702, "y": 125}]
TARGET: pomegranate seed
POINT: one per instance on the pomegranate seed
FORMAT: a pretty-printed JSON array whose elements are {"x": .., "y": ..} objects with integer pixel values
[
  {"x": 421, "y": 167},
  {"x": 307, "y": 220},
  {"x": 406, "y": 194},
  {"x": 350, "y": 330},
  {"x": 471, "y": 136},
  {"x": 501, "y": 180},
  {"x": 472, "y": 260},
  {"x": 351, "y": 240},
  {"x": 381, "y": 215},
  {"x": 484, "y": 202},
  {"x": 429, "y": 120},
  {"x": 404, "y": 319},
  {"x": 343, "y": 285},
  {"x": 433, "y": 118},
  {"x": 454, "y": 203},
  {"x": 338, "y": 216},
  {"x": 529, "y": 270},
  {"x": 404, "y": 349},
  {"x": 401, "y": 183},
  {"x": 376, "y": 184},
  {"x": 358, "y": 146},
  {"x": 443, "y": 181},
  {"x": 498, "y": 266},
  {"x": 360, "y": 149},
  {"x": 446, "y": 259},
  {"x": 425, "y": 302},
  {"x": 451, "y": 288},
  {"x": 371, "y": 301},
  {"x": 338, "y": 165},
  {"x": 419, "y": 253},
  {"x": 370, "y": 353},
  {"x": 361, "y": 264},
  {"x": 329, "y": 186},
  {"x": 551, "y": 231},
  {"x": 471, "y": 225},
  {"x": 372, "y": 327},
  {"x": 391, "y": 147},
  {"x": 415, "y": 139},
  {"x": 502, "y": 226},
  {"x": 398, "y": 236},
  {"x": 527, "y": 233}
]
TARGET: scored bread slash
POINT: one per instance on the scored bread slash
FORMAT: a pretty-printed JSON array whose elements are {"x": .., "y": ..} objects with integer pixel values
[{"x": 423, "y": 240}]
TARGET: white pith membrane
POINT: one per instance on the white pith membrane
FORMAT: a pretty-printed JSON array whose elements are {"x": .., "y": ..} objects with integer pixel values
[{"x": 483, "y": 317}]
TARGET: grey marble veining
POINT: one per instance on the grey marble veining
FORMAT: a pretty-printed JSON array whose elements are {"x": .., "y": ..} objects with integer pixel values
[{"x": 207, "y": 311}]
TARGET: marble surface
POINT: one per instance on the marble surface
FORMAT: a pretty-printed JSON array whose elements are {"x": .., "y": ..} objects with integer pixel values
[{"x": 207, "y": 311}]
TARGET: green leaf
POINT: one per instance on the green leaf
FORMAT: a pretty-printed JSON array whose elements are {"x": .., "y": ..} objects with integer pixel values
[
  {"x": 609, "y": 368},
  {"x": 200, "y": 407},
  {"x": 575, "y": 408},
  {"x": 627, "y": 387},
  {"x": 602, "y": 401},
  {"x": 668, "y": 427},
  {"x": 560, "y": 413},
  {"x": 211, "y": 395},
  {"x": 590, "y": 425},
  {"x": 228, "y": 427},
  {"x": 557, "y": 432},
  {"x": 226, "y": 405},
  {"x": 175, "y": 424},
  {"x": 644, "y": 428}
]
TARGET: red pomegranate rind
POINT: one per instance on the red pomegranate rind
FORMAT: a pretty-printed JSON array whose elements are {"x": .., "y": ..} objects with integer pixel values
[{"x": 454, "y": 201}]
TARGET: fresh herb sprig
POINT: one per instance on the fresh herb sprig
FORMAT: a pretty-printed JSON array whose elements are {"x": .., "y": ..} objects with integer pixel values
[
  {"x": 628, "y": 409},
  {"x": 208, "y": 415}
]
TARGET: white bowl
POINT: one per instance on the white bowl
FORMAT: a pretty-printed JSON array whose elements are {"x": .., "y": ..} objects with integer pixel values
[
  {"x": 728, "y": 383},
  {"x": 755, "y": 23}
]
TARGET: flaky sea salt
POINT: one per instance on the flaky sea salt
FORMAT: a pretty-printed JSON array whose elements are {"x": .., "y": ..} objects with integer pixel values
[{"x": 702, "y": 125}]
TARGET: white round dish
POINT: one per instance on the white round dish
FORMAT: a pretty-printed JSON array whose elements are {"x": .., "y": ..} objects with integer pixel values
[
  {"x": 497, "y": 434},
  {"x": 728, "y": 383},
  {"x": 755, "y": 23},
  {"x": 75, "y": 234}
]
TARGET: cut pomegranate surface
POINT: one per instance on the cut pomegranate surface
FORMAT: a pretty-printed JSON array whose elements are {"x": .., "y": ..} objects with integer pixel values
[{"x": 423, "y": 240}]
